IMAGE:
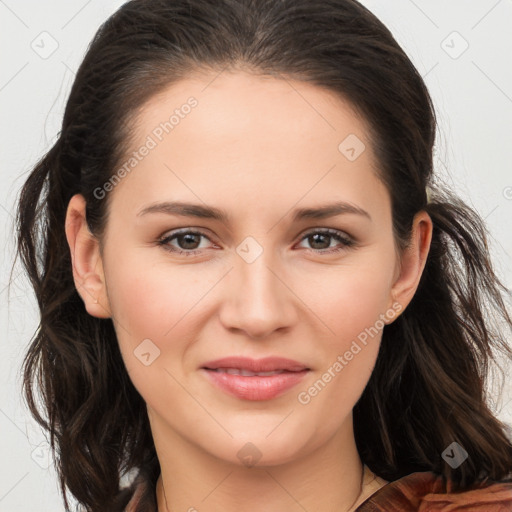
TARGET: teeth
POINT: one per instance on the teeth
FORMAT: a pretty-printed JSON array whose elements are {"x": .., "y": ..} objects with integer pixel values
[{"x": 247, "y": 373}]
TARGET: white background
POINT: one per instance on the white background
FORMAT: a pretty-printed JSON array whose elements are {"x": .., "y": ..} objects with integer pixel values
[{"x": 473, "y": 98}]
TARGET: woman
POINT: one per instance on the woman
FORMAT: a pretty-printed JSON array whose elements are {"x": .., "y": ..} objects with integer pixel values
[{"x": 255, "y": 369}]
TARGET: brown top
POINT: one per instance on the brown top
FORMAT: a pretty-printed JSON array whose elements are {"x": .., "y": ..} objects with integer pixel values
[
  {"x": 421, "y": 492},
  {"x": 425, "y": 492}
]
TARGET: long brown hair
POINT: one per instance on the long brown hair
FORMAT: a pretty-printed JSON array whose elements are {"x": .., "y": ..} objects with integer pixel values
[{"x": 428, "y": 388}]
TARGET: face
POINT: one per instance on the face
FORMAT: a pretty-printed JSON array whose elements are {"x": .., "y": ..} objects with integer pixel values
[{"x": 266, "y": 278}]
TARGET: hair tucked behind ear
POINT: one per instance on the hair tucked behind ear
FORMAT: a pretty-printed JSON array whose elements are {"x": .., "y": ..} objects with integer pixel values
[{"x": 428, "y": 386}]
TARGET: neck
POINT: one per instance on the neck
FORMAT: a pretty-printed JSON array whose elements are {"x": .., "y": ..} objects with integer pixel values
[{"x": 329, "y": 477}]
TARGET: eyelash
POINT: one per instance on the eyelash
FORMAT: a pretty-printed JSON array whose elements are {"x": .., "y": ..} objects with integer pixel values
[{"x": 338, "y": 235}]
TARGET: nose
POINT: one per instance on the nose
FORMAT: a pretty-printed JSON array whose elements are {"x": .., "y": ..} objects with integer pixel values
[{"x": 258, "y": 300}]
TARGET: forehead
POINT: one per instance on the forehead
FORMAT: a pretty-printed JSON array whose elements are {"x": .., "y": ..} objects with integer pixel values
[
  {"x": 229, "y": 135},
  {"x": 233, "y": 103}
]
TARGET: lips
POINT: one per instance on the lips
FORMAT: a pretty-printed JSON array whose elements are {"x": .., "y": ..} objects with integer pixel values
[
  {"x": 246, "y": 373},
  {"x": 254, "y": 379},
  {"x": 267, "y": 364}
]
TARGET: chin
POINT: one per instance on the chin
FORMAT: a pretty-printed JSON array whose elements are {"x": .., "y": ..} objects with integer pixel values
[{"x": 261, "y": 449}]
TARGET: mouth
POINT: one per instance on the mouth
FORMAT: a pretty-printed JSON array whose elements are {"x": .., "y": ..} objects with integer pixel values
[
  {"x": 253, "y": 379},
  {"x": 257, "y": 366},
  {"x": 247, "y": 373}
]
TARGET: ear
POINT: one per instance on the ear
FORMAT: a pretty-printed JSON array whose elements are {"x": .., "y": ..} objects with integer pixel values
[
  {"x": 86, "y": 260},
  {"x": 410, "y": 266}
]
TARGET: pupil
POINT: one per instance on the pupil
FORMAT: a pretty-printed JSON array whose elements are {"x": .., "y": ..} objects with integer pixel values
[
  {"x": 315, "y": 239},
  {"x": 187, "y": 238}
]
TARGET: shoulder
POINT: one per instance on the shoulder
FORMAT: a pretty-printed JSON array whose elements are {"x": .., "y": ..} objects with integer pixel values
[{"x": 427, "y": 492}]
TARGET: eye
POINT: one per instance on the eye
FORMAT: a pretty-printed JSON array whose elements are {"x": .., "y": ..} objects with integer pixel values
[
  {"x": 186, "y": 238},
  {"x": 319, "y": 237}
]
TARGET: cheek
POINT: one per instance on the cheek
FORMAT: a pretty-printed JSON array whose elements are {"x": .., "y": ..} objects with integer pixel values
[
  {"x": 150, "y": 308},
  {"x": 352, "y": 309},
  {"x": 352, "y": 304},
  {"x": 352, "y": 300},
  {"x": 149, "y": 299},
  {"x": 161, "y": 303},
  {"x": 146, "y": 303}
]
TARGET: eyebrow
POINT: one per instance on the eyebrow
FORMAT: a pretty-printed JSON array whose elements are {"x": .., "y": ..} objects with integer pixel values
[{"x": 210, "y": 212}]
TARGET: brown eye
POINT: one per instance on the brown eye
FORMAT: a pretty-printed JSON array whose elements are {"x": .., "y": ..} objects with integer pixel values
[
  {"x": 320, "y": 241},
  {"x": 187, "y": 242}
]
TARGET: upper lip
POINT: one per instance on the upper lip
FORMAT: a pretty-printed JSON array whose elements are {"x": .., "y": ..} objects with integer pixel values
[{"x": 267, "y": 364}]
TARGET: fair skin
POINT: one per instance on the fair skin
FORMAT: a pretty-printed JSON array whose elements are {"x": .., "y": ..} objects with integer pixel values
[{"x": 258, "y": 148}]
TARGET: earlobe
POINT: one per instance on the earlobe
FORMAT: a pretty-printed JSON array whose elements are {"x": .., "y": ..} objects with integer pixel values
[
  {"x": 86, "y": 260},
  {"x": 413, "y": 261}
]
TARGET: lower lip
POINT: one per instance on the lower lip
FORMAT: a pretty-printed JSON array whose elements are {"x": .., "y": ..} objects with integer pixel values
[{"x": 255, "y": 388}]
